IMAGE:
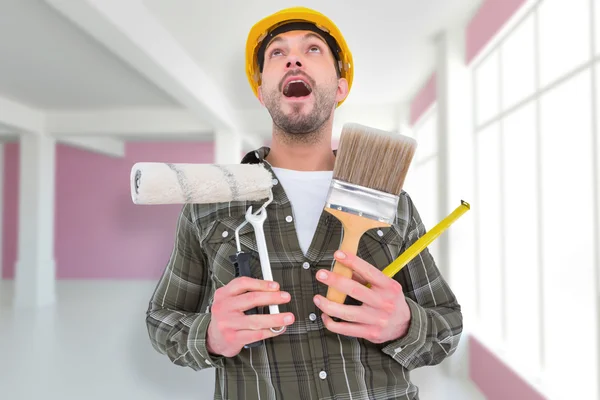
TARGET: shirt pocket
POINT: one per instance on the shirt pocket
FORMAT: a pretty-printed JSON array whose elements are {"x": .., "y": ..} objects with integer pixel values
[{"x": 220, "y": 245}]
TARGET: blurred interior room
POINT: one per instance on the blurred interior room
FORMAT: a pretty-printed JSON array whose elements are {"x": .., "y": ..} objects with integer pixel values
[{"x": 502, "y": 96}]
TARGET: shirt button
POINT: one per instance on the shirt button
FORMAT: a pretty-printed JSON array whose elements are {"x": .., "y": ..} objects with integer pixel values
[
  {"x": 380, "y": 232},
  {"x": 208, "y": 362},
  {"x": 306, "y": 265},
  {"x": 322, "y": 374},
  {"x": 274, "y": 182},
  {"x": 312, "y": 316},
  {"x": 225, "y": 234},
  {"x": 288, "y": 218}
]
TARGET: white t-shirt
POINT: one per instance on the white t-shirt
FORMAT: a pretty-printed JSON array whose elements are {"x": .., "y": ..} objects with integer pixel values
[{"x": 307, "y": 191}]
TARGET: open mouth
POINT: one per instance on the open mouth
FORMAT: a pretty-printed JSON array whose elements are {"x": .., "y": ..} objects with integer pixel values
[{"x": 297, "y": 88}]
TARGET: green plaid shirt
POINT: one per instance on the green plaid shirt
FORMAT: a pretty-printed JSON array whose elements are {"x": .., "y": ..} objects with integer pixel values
[{"x": 307, "y": 361}]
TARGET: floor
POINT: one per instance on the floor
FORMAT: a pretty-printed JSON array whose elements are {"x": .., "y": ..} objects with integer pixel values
[{"x": 93, "y": 345}]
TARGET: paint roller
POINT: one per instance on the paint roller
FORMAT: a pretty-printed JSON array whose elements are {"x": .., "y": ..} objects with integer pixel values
[{"x": 168, "y": 183}]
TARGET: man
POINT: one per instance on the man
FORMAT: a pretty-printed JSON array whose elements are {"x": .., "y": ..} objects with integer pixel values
[{"x": 300, "y": 68}]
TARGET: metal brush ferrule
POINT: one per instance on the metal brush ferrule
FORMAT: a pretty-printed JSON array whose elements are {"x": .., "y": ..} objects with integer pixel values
[{"x": 362, "y": 201}]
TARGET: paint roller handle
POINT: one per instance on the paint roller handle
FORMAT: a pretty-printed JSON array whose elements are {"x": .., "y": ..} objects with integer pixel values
[
  {"x": 241, "y": 261},
  {"x": 242, "y": 265}
]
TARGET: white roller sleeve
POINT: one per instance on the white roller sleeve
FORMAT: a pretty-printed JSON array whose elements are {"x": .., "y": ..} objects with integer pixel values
[{"x": 164, "y": 183}]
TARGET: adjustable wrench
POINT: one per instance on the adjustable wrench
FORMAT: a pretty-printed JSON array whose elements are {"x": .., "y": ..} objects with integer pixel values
[{"x": 257, "y": 222}]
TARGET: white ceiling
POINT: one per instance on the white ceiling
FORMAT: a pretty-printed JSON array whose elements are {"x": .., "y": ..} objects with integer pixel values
[
  {"x": 48, "y": 63},
  {"x": 67, "y": 59},
  {"x": 391, "y": 41}
]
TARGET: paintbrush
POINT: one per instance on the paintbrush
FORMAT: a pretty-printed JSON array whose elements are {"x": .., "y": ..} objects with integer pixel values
[{"x": 369, "y": 173}]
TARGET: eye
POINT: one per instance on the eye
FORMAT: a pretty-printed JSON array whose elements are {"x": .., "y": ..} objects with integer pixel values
[
  {"x": 314, "y": 48},
  {"x": 276, "y": 53}
]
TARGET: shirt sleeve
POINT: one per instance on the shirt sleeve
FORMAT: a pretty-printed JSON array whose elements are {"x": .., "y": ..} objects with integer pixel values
[
  {"x": 436, "y": 319},
  {"x": 178, "y": 315}
]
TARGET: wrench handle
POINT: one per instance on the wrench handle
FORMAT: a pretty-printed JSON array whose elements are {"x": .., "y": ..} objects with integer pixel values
[{"x": 265, "y": 264}]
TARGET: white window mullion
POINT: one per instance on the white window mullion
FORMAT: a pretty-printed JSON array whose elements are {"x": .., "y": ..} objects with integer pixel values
[
  {"x": 595, "y": 70},
  {"x": 489, "y": 233},
  {"x": 539, "y": 211}
]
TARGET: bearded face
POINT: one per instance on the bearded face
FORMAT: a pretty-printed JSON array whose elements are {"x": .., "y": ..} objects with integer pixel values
[{"x": 300, "y": 87}]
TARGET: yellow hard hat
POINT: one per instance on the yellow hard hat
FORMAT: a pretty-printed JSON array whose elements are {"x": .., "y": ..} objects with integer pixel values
[{"x": 297, "y": 18}]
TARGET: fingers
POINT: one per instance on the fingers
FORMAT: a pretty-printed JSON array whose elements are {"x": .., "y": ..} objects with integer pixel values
[
  {"x": 251, "y": 336},
  {"x": 368, "y": 272},
  {"x": 351, "y": 288},
  {"x": 360, "y": 314},
  {"x": 357, "y": 277},
  {"x": 260, "y": 322},
  {"x": 250, "y": 300},
  {"x": 347, "y": 328},
  {"x": 245, "y": 284}
]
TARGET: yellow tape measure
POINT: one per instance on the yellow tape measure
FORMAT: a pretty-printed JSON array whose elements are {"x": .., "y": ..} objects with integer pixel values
[{"x": 425, "y": 240}]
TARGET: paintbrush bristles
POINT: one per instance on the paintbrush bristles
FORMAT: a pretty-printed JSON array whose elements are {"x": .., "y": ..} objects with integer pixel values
[{"x": 373, "y": 158}]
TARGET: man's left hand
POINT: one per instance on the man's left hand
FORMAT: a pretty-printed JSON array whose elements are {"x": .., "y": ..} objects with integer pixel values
[{"x": 383, "y": 315}]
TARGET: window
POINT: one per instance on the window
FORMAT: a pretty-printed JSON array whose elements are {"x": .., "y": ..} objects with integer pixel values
[
  {"x": 520, "y": 224},
  {"x": 518, "y": 65},
  {"x": 568, "y": 231},
  {"x": 535, "y": 105},
  {"x": 563, "y": 37},
  {"x": 489, "y": 233},
  {"x": 487, "y": 89}
]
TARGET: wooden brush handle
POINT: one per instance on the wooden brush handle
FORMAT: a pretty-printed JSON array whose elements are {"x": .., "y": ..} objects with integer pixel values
[
  {"x": 349, "y": 245},
  {"x": 354, "y": 228}
]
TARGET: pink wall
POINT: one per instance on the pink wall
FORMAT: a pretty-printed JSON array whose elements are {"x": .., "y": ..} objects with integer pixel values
[
  {"x": 423, "y": 99},
  {"x": 496, "y": 380},
  {"x": 99, "y": 232},
  {"x": 488, "y": 20}
]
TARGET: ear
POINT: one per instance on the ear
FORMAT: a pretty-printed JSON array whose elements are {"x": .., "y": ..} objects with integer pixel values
[
  {"x": 342, "y": 91},
  {"x": 260, "y": 97}
]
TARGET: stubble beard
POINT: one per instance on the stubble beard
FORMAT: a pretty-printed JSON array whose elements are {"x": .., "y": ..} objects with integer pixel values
[{"x": 299, "y": 127}]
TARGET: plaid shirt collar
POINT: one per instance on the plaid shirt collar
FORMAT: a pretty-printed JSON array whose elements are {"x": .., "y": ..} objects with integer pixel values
[{"x": 259, "y": 156}]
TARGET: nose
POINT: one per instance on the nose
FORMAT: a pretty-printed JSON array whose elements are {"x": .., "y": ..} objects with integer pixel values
[{"x": 293, "y": 61}]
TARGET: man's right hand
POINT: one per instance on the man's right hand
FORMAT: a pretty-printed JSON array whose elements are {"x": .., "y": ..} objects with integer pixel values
[{"x": 230, "y": 329}]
